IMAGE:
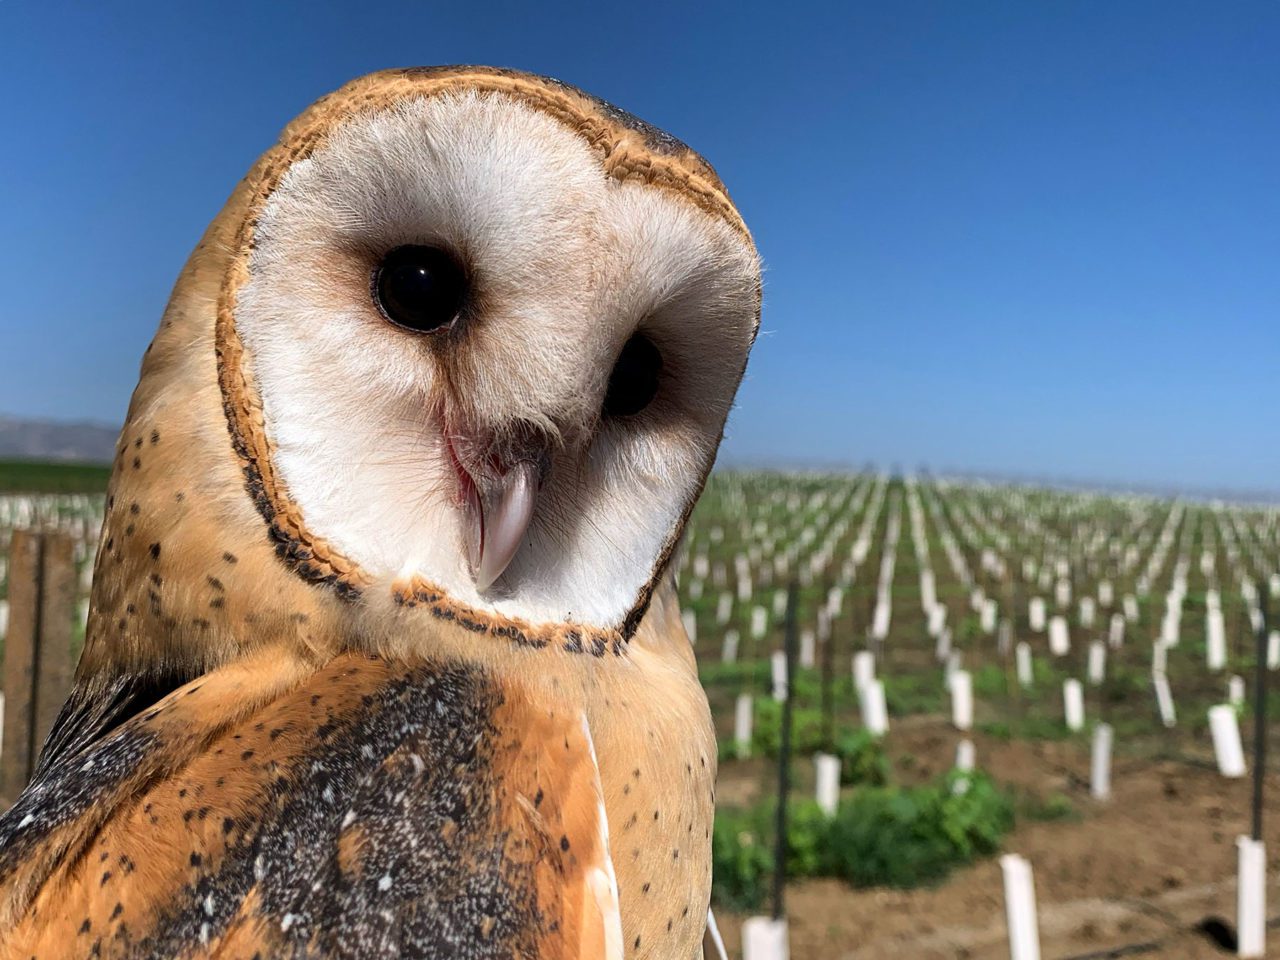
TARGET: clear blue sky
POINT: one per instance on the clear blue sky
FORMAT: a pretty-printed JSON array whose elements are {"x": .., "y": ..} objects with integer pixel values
[{"x": 1039, "y": 238}]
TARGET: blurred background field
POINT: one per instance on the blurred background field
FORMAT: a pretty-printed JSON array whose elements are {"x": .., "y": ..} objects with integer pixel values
[{"x": 1160, "y": 852}]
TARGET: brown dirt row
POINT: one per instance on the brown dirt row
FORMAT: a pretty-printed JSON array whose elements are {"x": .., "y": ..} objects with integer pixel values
[{"x": 1145, "y": 868}]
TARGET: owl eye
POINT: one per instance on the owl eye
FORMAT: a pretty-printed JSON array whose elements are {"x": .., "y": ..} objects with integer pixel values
[
  {"x": 419, "y": 288},
  {"x": 634, "y": 381}
]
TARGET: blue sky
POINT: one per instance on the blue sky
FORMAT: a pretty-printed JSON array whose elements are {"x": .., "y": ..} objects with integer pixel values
[{"x": 1033, "y": 238}]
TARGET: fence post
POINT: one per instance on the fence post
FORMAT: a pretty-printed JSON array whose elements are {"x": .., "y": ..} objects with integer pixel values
[
  {"x": 19, "y": 662},
  {"x": 37, "y": 652},
  {"x": 53, "y": 642}
]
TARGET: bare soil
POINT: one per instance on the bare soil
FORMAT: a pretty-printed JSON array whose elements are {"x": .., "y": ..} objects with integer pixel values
[{"x": 1142, "y": 871}]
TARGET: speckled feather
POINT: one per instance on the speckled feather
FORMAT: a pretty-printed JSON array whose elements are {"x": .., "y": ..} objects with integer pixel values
[{"x": 370, "y": 809}]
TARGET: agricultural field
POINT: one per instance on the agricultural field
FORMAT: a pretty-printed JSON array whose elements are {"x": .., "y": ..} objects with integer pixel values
[
  {"x": 25, "y": 477},
  {"x": 965, "y": 652},
  {"x": 941, "y": 629}
]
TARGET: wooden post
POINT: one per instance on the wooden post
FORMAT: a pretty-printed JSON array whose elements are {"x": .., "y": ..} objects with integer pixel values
[
  {"x": 53, "y": 642},
  {"x": 37, "y": 655},
  {"x": 20, "y": 664}
]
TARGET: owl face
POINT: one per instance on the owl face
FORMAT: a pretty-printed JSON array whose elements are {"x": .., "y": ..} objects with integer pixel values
[{"x": 484, "y": 361}]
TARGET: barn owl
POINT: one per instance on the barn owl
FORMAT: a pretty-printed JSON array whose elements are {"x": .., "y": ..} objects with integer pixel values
[{"x": 383, "y": 657}]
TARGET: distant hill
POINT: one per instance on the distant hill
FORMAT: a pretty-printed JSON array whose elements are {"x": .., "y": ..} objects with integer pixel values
[{"x": 22, "y": 439}]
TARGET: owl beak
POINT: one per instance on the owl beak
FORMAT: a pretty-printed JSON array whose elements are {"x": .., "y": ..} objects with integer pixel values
[{"x": 497, "y": 511}]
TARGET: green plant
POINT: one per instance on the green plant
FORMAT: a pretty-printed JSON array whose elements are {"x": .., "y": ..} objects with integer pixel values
[
  {"x": 1056, "y": 806},
  {"x": 741, "y": 861},
  {"x": 990, "y": 681},
  {"x": 807, "y": 832},
  {"x": 1029, "y": 727},
  {"x": 977, "y": 818},
  {"x": 862, "y": 758},
  {"x": 904, "y": 837},
  {"x": 881, "y": 836},
  {"x": 907, "y": 694},
  {"x": 726, "y": 750},
  {"x": 766, "y": 729},
  {"x": 733, "y": 674},
  {"x": 1000, "y": 729}
]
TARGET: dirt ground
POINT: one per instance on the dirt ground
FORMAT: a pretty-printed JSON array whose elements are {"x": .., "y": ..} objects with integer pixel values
[{"x": 1135, "y": 876}]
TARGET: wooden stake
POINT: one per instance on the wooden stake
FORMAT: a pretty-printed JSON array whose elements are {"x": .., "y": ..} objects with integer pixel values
[
  {"x": 57, "y": 617},
  {"x": 37, "y": 661},
  {"x": 20, "y": 663}
]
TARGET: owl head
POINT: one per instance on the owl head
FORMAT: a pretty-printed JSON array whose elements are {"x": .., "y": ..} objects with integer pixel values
[{"x": 477, "y": 335}]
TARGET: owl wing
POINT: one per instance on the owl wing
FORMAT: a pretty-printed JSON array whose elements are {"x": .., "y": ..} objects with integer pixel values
[{"x": 366, "y": 809}]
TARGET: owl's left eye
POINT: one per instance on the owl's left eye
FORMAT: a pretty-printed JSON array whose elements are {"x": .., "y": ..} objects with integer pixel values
[{"x": 420, "y": 288}]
